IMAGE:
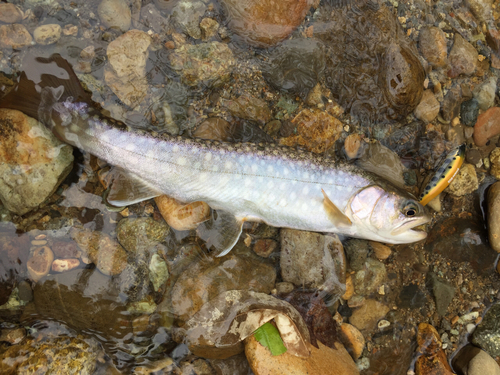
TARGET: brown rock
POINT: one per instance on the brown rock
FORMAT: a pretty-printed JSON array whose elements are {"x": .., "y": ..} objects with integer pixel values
[
  {"x": 349, "y": 288},
  {"x": 214, "y": 128},
  {"x": 248, "y": 107},
  {"x": 367, "y": 316},
  {"x": 317, "y": 130},
  {"x": 428, "y": 108},
  {"x": 433, "y": 359},
  {"x": 432, "y": 43},
  {"x": 487, "y": 126},
  {"x": 9, "y": 13},
  {"x": 494, "y": 216},
  {"x": 322, "y": 361},
  {"x": 63, "y": 265},
  {"x": 352, "y": 145},
  {"x": 263, "y": 23},
  {"x": 39, "y": 264},
  {"x": 182, "y": 216},
  {"x": 107, "y": 254},
  {"x": 465, "y": 182},
  {"x": 463, "y": 57},
  {"x": 65, "y": 249},
  {"x": 14, "y": 36},
  {"x": 381, "y": 251},
  {"x": 493, "y": 40},
  {"x": 264, "y": 247},
  {"x": 352, "y": 339}
]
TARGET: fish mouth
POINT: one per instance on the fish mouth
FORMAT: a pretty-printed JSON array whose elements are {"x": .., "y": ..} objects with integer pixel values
[{"x": 414, "y": 225}]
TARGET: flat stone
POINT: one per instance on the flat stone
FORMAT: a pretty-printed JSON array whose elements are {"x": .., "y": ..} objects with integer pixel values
[
  {"x": 367, "y": 316},
  {"x": 352, "y": 339},
  {"x": 443, "y": 294},
  {"x": 463, "y": 57},
  {"x": 432, "y": 43},
  {"x": 140, "y": 235},
  {"x": 471, "y": 360},
  {"x": 40, "y": 262},
  {"x": 115, "y": 14},
  {"x": 485, "y": 93},
  {"x": 428, "y": 108},
  {"x": 47, "y": 34},
  {"x": 487, "y": 126},
  {"x": 64, "y": 265},
  {"x": 9, "y": 13},
  {"x": 14, "y": 36}
]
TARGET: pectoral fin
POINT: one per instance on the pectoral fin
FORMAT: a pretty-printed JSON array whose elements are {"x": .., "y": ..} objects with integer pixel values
[
  {"x": 126, "y": 189},
  {"x": 222, "y": 232},
  {"x": 337, "y": 217}
]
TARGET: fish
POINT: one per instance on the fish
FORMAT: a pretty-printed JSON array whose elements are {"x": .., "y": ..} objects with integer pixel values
[
  {"x": 278, "y": 185},
  {"x": 444, "y": 175}
]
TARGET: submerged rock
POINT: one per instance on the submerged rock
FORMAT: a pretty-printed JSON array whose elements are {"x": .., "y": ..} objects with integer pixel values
[
  {"x": 462, "y": 57},
  {"x": 9, "y": 13},
  {"x": 487, "y": 334},
  {"x": 433, "y": 359},
  {"x": 140, "y": 235},
  {"x": 14, "y": 36},
  {"x": 47, "y": 34},
  {"x": 432, "y": 42},
  {"x": 187, "y": 14},
  {"x": 487, "y": 126},
  {"x": 493, "y": 201},
  {"x": 115, "y": 14},
  {"x": 32, "y": 162},
  {"x": 367, "y": 316},
  {"x": 465, "y": 181},
  {"x": 40, "y": 263}
]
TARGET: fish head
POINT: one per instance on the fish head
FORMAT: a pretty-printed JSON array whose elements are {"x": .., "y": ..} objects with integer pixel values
[{"x": 387, "y": 215}]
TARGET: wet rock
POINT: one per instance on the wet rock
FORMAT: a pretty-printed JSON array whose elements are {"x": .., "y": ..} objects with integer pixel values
[
  {"x": 25, "y": 292},
  {"x": 465, "y": 181},
  {"x": 133, "y": 281},
  {"x": 153, "y": 19},
  {"x": 357, "y": 253},
  {"x": 263, "y": 247},
  {"x": 158, "y": 271},
  {"x": 312, "y": 260},
  {"x": 214, "y": 128},
  {"x": 9, "y": 13},
  {"x": 65, "y": 249},
  {"x": 352, "y": 339},
  {"x": 433, "y": 359},
  {"x": 370, "y": 277},
  {"x": 411, "y": 297},
  {"x": 487, "y": 335},
  {"x": 481, "y": 9},
  {"x": 487, "y": 126},
  {"x": 14, "y": 36},
  {"x": 140, "y": 235},
  {"x": 321, "y": 361},
  {"x": 198, "y": 366},
  {"x": 182, "y": 216},
  {"x": 469, "y": 111},
  {"x": 367, "y": 316},
  {"x": 451, "y": 103},
  {"x": 186, "y": 15},
  {"x": 235, "y": 365},
  {"x": 462, "y": 240},
  {"x": 443, "y": 294},
  {"x": 67, "y": 355},
  {"x": 471, "y": 360},
  {"x": 248, "y": 107},
  {"x": 40, "y": 262},
  {"x": 485, "y": 93},
  {"x": 107, "y": 254},
  {"x": 207, "y": 64},
  {"x": 115, "y": 14},
  {"x": 493, "y": 40},
  {"x": 428, "y": 108},
  {"x": 214, "y": 276},
  {"x": 263, "y": 23},
  {"x": 209, "y": 28},
  {"x": 381, "y": 251},
  {"x": 493, "y": 201},
  {"x": 317, "y": 130},
  {"x": 125, "y": 72},
  {"x": 32, "y": 162},
  {"x": 462, "y": 57},
  {"x": 47, "y": 34},
  {"x": 352, "y": 146},
  {"x": 14, "y": 335},
  {"x": 296, "y": 65},
  {"x": 63, "y": 265},
  {"x": 432, "y": 42}
]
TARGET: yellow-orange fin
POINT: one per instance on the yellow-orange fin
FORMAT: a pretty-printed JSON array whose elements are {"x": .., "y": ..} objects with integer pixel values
[{"x": 336, "y": 216}]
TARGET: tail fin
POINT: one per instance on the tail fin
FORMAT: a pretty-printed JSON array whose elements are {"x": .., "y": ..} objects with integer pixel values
[{"x": 40, "y": 73}]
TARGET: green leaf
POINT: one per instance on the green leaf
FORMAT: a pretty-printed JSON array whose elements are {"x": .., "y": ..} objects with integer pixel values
[{"x": 269, "y": 336}]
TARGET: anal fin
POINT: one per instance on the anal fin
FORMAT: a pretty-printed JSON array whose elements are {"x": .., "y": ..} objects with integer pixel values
[
  {"x": 126, "y": 189},
  {"x": 337, "y": 217},
  {"x": 222, "y": 232}
]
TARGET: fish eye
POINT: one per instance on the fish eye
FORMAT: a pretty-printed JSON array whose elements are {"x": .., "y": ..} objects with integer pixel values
[{"x": 410, "y": 210}]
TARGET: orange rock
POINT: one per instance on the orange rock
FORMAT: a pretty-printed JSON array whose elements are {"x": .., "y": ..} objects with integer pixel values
[
  {"x": 381, "y": 251},
  {"x": 351, "y": 145},
  {"x": 352, "y": 339},
  {"x": 321, "y": 361},
  {"x": 63, "y": 265},
  {"x": 432, "y": 360},
  {"x": 349, "y": 288},
  {"x": 487, "y": 126},
  {"x": 39, "y": 264},
  {"x": 182, "y": 216}
]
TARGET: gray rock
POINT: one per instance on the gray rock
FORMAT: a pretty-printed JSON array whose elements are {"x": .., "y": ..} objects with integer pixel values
[
  {"x": 357, "y": 253},
  {"x": 29, "y": 174},
  {"x": 313, "y": 260},
  {"x": 462, "y": 57},
  {"x": 115, "y": 14},
  {"x": 151, "y": 17},
  {"x": 485, "y": 93},
  {"x": 443, "y": 294},
  {"x": 370, "y": 277},
  {"x": 187, "y": 14},
  {"x": 469, "y": 111},
  {"x": 487, "y": 334}
]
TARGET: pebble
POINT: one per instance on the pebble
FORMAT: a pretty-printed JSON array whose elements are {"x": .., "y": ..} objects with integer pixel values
[
  {"x": 312, "y": 260},
  {"x": 370, "y": 277},
  {"x": 208, "y": 64},
  {"x": 487, "y": 335},
  {"x": 469, "y": 111},
  {"x": 47, "y": 34},
  {"x": 463, "y": 57},
  {"x": 209, "y": 28},
  {"x": 158, "y": 271},
  {"x": 352, "y": 145},
  {"x": 465, "y": 181},
  {"x": 186, "y": 16},
  {"x": 248, "y": 107},
  {"x": 140, "y": 235},
  {"x": 263, "y": 23},
  {"x": 432, "y": 43},
  {"x": 352, "y": 339},
  {"x": 115, "y": 14},
  {"x": 381, "y": 251},
  {"x": 215, "y": 128},
  {"x": 485, "y": 93},
  {"x": 182, "y": 216},
  {"x": 321, "y": 361},
  {"x": 487, "y": 126},
  {"x": 70, "y": 30},
  {"x": 443, "y": 294},
  {"x": 40, "y": 262},
  {"x": 433, "y": 360},
  {"x": 38, "y": 242},
  {"x": 493, "y": 218},
  {"x": 14, "y": 36},
  {"x": 264, "y": 247},
  {"x": 125, "y": 72},
  {"x": 349, "y": 288},
  {"x": 383, "y": 324},
  {"x": 428, "y": 108},
  {"x": 365, "y": 318},
  {"x": 63, "y": 265},
  {"x": 471, "y": 360},
  {"x": 9, "y": 13}
]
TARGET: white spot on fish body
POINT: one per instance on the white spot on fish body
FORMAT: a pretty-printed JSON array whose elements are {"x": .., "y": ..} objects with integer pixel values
[
  {"x": 197, "y": 165},
  {"x": 254, "y": 168},
  {"x": 203, "y": 176},
  {"x": 150, "y": 154},
  {"x": 270, "y": 169},
  {"x": 182, "y": 161},
  {"x": 293, "y": 196},
  {"x": 305, "y": 191},
  {"x": 215, "y": 168},
  {"x": 286, "y": 172},
  {"x": 208, "y": 156},
  {"x": 228, "y": 165},
  {"x": 305, "y": 175},
  {"x": 304, "y": 206},
  {"x": 175, "y": 148},
  {"x": 282, "y": 202},
  {"x": 248, "y": 182},
  {"x": 270, "y": 184},
  {"x": 283, "y": 186},
  {"x": 130, "y": 147}
]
